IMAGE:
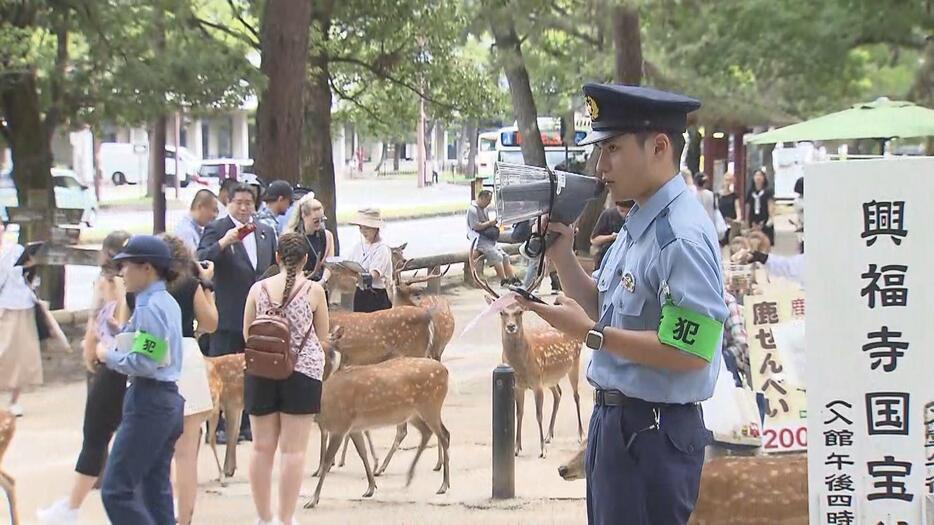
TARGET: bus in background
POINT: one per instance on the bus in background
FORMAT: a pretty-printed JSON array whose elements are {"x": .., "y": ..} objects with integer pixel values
[
  {"x": 486, "y": 153},
  {"x": 509, "y": 148},
  {"x": 504, "y": 145}
]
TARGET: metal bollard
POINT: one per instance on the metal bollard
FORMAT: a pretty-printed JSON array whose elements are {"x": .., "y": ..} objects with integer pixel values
[{"x": 504, "y": 432}]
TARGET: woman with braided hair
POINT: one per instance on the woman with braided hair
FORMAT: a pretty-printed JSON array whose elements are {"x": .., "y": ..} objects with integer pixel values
[{"x": 281, "y": 411}]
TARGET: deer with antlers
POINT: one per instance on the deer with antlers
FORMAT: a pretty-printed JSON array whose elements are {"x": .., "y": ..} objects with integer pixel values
[
  {"x": 225, "y": 377},
  {"x": 400, "y": 390},
  {"x": 440, "y": 308},
  {"x": 7, "y": 429},
  {"x": 540, "y": 358}
]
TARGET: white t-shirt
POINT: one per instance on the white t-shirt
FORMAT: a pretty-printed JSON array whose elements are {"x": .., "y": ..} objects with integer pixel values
[{"x": 376, "y": 256}]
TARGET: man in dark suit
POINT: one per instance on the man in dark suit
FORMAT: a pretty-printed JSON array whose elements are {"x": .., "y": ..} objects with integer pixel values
[{"x": 240, "y": 255}]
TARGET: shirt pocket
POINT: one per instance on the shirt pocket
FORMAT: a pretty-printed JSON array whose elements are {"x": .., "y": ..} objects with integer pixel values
[{"x": 628, "y": 310}]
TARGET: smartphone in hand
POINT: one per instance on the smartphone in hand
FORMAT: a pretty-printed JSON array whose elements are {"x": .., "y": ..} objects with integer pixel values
[
  {"x": 529, "y": 296},
  {"x": 245, "y": 230}
]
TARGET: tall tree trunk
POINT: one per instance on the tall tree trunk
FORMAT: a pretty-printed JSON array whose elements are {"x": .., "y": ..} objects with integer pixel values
[
  {"x": 694, "y": 150},
  {"x": 396, "y": 154},
  {"x": 383, "y": 153},
  {"x": 280, "y": 112},
  {"x": 627, "y": 42},
  {"x": 29, "y": 138},
  {"x": 473, "y": 133},
  {"x": 157, "y": 173},
  {"x": 318, "y": 156},
  {"x": 509, "y": 53}
]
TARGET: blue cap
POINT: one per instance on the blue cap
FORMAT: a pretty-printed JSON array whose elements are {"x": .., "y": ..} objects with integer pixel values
[
  {"x": 145, "y": 248},
  {"x": 616, "y": 108}
]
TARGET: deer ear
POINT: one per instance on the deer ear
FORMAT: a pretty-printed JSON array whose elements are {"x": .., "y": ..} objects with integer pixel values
[{"x": 336, "y": 332}]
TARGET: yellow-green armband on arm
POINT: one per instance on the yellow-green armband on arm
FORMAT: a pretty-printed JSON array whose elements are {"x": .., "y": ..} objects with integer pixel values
[
  {"x": 152, "y": 347},
  {"x": 690, "y": 331}
]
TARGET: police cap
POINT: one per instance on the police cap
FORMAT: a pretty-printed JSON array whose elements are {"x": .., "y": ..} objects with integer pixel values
[
  {"x": 616, "y": 108},
  {"x": 145, "y": 249}
]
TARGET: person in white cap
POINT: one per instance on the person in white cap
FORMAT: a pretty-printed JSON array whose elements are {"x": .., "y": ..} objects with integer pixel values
[{"x": 376, "y": 258}]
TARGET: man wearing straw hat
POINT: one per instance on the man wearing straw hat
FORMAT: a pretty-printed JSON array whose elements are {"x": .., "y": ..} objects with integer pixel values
[{"x": 376, "y": 259}]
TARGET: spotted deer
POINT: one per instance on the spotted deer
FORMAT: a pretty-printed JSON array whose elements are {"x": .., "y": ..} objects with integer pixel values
[
  {"x": 443, "y": 320},
  {"x": 441, "y": 316},
  {"x": 540, "y": 357},
  {"x": 740, "y": 490},
  {"x": 400, "y": 390},
  {"x": 7, "y": 429},
  {"x": 225, "y": 376},
  {"x": 369, "y": 338}
]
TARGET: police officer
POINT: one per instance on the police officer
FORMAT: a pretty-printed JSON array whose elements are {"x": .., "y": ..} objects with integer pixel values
[
  {"x": 136, "y": 487},
  {"x": 652, "y": 314}
]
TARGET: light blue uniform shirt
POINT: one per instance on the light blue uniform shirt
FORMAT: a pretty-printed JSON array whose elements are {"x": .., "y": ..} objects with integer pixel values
[
  {"x": 158, "y": 314},
  {"x": 670, "y": 239},
  {"x": 190, "y": 232}
]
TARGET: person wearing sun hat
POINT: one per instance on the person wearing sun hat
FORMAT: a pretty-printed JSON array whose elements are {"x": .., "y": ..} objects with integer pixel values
[
  {"x": 376, "y": 258},
  {"x": 136, "y": 486}
]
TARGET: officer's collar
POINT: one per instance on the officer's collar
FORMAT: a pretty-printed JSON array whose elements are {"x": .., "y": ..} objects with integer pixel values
[
  {"x": 155, "y": 286},
  {"x": 640, "y": 217}
]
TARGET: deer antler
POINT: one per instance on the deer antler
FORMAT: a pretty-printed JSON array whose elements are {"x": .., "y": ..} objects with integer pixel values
[
  {"x": 435, "y": 274},
  {"x": 472, "y": 265}
]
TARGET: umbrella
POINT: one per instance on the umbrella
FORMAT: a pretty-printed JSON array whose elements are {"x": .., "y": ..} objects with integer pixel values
[{"x": 883, "y": 119}]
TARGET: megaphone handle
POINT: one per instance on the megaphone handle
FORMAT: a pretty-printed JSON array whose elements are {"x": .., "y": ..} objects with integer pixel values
[{"x": 550, "y": 237}]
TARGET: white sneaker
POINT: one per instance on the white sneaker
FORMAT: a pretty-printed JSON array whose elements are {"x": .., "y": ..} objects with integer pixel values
[
  {"x": 16, "y": 410},
  {"x": 59, "y": 513},
  {"x": 274, "y": 521}
]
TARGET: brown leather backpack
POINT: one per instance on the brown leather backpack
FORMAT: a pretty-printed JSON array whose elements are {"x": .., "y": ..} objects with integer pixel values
[{"x": 268, "y": 346}]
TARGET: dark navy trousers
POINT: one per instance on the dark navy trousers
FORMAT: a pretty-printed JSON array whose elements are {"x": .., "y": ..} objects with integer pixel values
[
  {"x": 137, "y": 488},
  {"x": 653, "y": 482}
]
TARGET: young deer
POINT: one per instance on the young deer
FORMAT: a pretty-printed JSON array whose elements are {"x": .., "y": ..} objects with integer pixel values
[
  {"x": 7, "y": 483},
  {"x": 770, "y": 489},
  {"x": 540, "y": 358},
  {"x": 369, "y": 338},
  {"x": 225, "y": 376},
  {"x": 359, "y": 398}
]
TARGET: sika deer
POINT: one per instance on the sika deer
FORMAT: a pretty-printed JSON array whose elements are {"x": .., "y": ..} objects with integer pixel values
[
  {"x": 540, "y": 358},
  {"x": 359, "y": 398},
  {"x": 369, "y": 338},
  {"x": 441, "y": 315},
  {"x": 748, "y": 490},
  {"x": 7, "y": 483},
  {"x": 440, "y": 308},
  {"x": 225, "y": 376}
]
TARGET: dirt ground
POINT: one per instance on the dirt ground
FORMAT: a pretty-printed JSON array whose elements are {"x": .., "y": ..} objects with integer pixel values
[{"x": 43, "y": 452}]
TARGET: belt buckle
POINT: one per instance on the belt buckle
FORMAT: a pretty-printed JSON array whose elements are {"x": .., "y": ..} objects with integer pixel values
[{"x": 598, "y": 397}]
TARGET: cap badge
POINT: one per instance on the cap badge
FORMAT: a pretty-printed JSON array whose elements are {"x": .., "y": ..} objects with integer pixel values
[{"x": 592, "y": 109}]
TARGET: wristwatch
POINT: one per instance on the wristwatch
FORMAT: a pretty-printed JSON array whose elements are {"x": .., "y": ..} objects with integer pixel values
[{"x": 594, "y": 339}]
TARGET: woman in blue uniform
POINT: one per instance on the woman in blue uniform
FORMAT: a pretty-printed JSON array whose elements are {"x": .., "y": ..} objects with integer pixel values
[{"x": 136, "y": 488}]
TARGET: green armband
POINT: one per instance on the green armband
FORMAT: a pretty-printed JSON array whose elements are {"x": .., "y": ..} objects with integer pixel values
[
  {"x": 689, "y": 331},
  {"x": 150, "y": 346}
]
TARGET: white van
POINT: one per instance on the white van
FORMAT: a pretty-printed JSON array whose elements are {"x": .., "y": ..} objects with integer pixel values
[{"x": 125, "y": 163}]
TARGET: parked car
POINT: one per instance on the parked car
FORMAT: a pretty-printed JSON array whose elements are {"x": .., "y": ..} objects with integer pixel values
[
  {"x": 125, "y": 163},
  {"x": 70, "y": 192},
  {"x": 213, "y": 171}
]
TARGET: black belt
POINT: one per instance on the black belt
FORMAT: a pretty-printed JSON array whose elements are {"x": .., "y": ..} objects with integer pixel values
[{"x": 615, "y": 398}]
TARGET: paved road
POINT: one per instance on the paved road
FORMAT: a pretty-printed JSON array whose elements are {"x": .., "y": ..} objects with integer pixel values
[{"x": 425, "y": 237}]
